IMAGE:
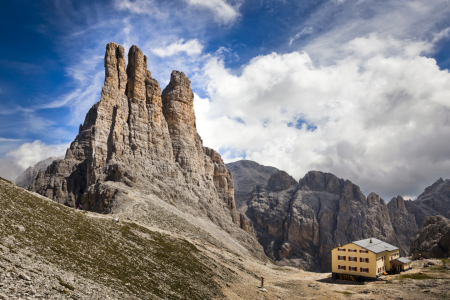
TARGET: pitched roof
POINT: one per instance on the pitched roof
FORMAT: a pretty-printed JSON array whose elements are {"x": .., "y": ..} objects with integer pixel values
[
  {"x": 376, "y": 246},
  {"x": 403, "y": 260}
]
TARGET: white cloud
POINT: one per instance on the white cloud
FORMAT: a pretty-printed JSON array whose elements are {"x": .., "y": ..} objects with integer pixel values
[
  {"x": 441, "y": 35},
  {"x": 377, "y": 117},
  {"x": 305, "y": 31},
  {"x": 28, "y": 154},
  {"x": 9, "y": 169},
  {"x": 191, "y": 47},
  {"x": 8, "y": 140},
  {"x": 340, "y": 23},
  {"x": 139, "y": 7},
  {"x": 223, "y": 12}
]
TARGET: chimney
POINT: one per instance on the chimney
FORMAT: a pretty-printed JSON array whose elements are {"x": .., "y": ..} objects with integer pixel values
[
  {"x": 339, "y": 244},
  {"x": 371, "y": 240}
]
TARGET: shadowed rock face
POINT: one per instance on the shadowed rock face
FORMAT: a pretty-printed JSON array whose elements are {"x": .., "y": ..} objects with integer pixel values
[
  {"x": 26, "y": 178},
  {"x": 247, "y": 175},
  {"x": 435, "y": 200},
  {"x": 300, "y": 225},
  {"x": 403, "y": 222},
  {"x": 135, "y": 140},
  {"x": 280, "y": 181},
  {"x": 433, "y": 239}
]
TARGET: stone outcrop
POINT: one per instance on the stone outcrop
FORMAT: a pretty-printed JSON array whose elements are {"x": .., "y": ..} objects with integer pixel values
[
  {"x": 247, "y": 175},
  {"x": 26, "y": 178},
  {"x": 136, "y": 139},
  {"x": 403, "y": 222},
  {"x": 300, "y": 225},
  {"x": 433, "y": 239},
  {"x": 280, "y": 181},
  {"x": 435, "y": 200}
]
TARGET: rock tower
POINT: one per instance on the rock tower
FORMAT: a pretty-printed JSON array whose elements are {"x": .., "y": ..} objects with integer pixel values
[{"x": 136, "y": 138}]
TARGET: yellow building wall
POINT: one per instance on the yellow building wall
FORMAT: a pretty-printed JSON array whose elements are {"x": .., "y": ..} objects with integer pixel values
[
  {"x": 388, "y": 255},
  {"x": 372, "y": 265},
  {"x": 380, "y": 262}
]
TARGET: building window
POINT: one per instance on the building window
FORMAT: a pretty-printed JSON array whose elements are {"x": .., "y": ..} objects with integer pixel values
[
  {"x": 341, "y": 249},
  {"x": 352, "y": 258},
  {"x": 341, "y": 257},
  {"x": 353, "y": 269},
  {"x": 341, "y": 267},
  {"x": 351, "y": 250},
  {"x": 364, "y": 259},
  {"x": 364, "y": 270},
  {"x": 382, "y": 258},
  {"x": 363, "y": 251}
]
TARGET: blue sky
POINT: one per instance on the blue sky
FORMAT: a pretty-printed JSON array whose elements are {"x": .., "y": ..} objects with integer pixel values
[{"x": 365, "y": 82}]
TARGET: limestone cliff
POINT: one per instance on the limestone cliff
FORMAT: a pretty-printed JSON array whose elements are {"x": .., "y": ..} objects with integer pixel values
[
  {"x": 247, "y": 175},
  {"x": 403, "y": 222},
  {"x": 299, "y": 226},
  {"x": 433, "y": 239},
  {"x": 137, "y": 141},
  {"x": 435, "y": 200}
]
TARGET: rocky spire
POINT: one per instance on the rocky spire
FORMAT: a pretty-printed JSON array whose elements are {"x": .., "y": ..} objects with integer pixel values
[
  {"x": 178, "y": 109},
  {"x": 137, "y": 73},
  {"x": 115, "y": 74},
  {"x": 135, "y": 142}
]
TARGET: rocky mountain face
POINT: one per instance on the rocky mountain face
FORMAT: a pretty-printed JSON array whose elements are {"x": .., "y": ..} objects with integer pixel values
[
  {"x": 435, "y": 200},
  {"x": 403, "y": 222},
  {"x": 299, "y": 224},
  {"x": 26, "y": 178},
  {"x": 247, "y": 175},
  {"x": 138, "y": 144},
  {"x": 433, "y": 239}
]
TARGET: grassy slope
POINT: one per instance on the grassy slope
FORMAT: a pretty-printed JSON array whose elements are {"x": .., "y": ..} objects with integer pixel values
[{"x": 123, "y": 256}]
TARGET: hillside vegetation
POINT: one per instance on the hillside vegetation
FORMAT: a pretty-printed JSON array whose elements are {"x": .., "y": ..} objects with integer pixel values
[{"x": 75, "y": 253}]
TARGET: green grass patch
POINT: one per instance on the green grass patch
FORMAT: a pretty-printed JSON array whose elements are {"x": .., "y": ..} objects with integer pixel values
[
  {"x": 416, "y": 276},
  {"x": 126, "y": 257},
  {"x": 344, "y": 293}
]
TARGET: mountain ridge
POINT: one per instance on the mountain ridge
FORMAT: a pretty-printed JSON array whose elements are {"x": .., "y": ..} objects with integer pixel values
[{"x": 300, "y": 224}]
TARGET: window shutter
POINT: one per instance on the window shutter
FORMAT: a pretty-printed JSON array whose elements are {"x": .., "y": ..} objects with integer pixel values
[
  {"x": 360, "y": 259},
  {"x": 345, "y": 268},
  {"x": 367, "y": 270},
  {"x": 345, "y": 257},
  {"x": 360, "y": 269},
  {"x": 367, "y": 260}
]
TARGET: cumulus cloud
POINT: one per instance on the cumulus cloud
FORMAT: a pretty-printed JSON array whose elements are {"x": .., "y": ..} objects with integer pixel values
[
  {"x": 28, "y": 154},
  {"x": 9, "y": 169},
  {"x": 377, "y": 117},
  {"x": 191, "y": 47},
  {"x": 223, "y": 12}
]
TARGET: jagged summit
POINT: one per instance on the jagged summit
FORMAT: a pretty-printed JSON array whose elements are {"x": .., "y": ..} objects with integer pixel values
[{"x": 136, "y": 143}]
